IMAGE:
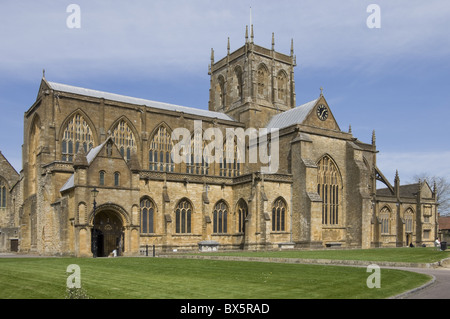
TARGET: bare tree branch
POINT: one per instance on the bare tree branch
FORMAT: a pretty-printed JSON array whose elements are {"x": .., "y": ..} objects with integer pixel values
[{"x": 442, "y": 190}]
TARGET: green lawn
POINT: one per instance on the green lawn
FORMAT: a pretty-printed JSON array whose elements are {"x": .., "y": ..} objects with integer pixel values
[
  {"x": 155, "y": 278},
  {"x": 410, "y": 255}
]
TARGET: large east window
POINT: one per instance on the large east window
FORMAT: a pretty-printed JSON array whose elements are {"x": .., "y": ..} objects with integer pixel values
[{"x": 328, "y": 187}]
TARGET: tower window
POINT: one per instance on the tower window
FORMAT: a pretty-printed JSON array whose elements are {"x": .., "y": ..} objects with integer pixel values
[
  {"x": 282, "y": 86},
  {"x": 239, "y": 84},
  {"x": 263, "y": 82}
]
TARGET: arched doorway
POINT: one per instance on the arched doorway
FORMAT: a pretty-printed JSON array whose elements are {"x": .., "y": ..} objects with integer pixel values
[{"x": 108, "y": 234}]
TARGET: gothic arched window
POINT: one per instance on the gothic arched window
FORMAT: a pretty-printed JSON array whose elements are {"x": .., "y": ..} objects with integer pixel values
[
  {"x": 76, "y": 133},
  {"x": 230, "y": 162},
  {"x": 159, "y": 155},
  {"x": 279, "y": 215},
  {"x": 328, "y": 187},
  {"x": 385, "y": 215},
  {"x": 220, "y": 218},
  {"x": 3, "y": 192},
  {"x": 183, "y": 214},
  {"x": 263, "y": 82},
  {"x": 222, "y": 91},
  {"x": 196, "y": 163},
  {"x": 101, "y": 178},
  {"x": 124, "y": 138},
  {"x": 147, "y": 216},
  {"x": 239, "y": 82},
  {"x": 242, "y": 212},
  {"x": 116, "y": 179},
  {"x": 409, "y": 220},
  {"x": 282, "y": 86}
]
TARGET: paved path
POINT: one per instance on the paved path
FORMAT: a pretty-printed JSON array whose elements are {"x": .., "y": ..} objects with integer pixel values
[{"x": 438, "y": 289}]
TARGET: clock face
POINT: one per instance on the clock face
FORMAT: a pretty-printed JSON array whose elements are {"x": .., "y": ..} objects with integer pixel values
[{"x": 322, "y": 112}]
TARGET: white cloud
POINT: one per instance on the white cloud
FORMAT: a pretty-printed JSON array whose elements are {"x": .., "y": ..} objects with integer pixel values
[{"x": 154, "y": 35}]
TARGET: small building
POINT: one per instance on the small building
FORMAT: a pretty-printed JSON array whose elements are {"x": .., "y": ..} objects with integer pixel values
[{"x": 444, "y": 228}]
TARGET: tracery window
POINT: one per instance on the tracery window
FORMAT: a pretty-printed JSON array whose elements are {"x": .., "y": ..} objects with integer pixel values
[
  {"x": 3, "y": 191},
  {"x": 385, "y": 214},
  {"x": 239, "y": 84},
  {"x": 409, "y": 218},
  {"x": 220, "y": 218},
  {"x": 262, "y": 82},
  {"x": 159, "y": 155},
  {"x": 76, "y": 133},
  {"x": 328, "y": 186},
  {"x": 279, "y": 215},
  {"x": 242, "y": 212},
  {"x": 183, "y": 214},
  {"x": 147, "y": 216},
  {"x": 196, "y": 163},
  {"x": 282, "y": 86},
  {"x": 124, "y": 138},
  {"x": 222, "y": 91},
  {"x": 230, "y": 162}
]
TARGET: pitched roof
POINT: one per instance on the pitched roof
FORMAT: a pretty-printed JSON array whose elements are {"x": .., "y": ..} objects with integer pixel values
[
  {"x": 90, "y": 157},
  {"x": 410, "y": 190},
  {"x": 137, "y": 101},
  {"x": 444, "y": 222},
  {"x": 294, "y": 116}
]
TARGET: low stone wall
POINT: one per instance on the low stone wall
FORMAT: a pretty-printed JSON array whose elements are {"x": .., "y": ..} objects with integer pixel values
[{"x": 356, "y": 263}]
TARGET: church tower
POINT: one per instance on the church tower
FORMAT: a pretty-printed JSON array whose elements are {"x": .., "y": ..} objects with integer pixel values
[{"x": 253, "y": 83}]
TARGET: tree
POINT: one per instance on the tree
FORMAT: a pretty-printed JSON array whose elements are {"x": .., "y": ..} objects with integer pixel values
[{"x": 442, "y": 191}]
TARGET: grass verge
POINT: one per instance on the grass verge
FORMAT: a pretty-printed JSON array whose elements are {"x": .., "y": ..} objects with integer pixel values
[
  {"x": 165, "y": 278},
  {"x": 409, "y": 255}
]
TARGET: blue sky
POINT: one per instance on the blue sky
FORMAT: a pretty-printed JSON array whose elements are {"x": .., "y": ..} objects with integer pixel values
[{"x": 393, "y": 79}]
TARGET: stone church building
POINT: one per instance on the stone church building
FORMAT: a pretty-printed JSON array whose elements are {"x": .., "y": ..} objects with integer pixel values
[{"x": 98, "y": 160}]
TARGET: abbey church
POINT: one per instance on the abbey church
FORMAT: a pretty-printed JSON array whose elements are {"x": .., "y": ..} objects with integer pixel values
[{"x": 99, "y": 175}]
